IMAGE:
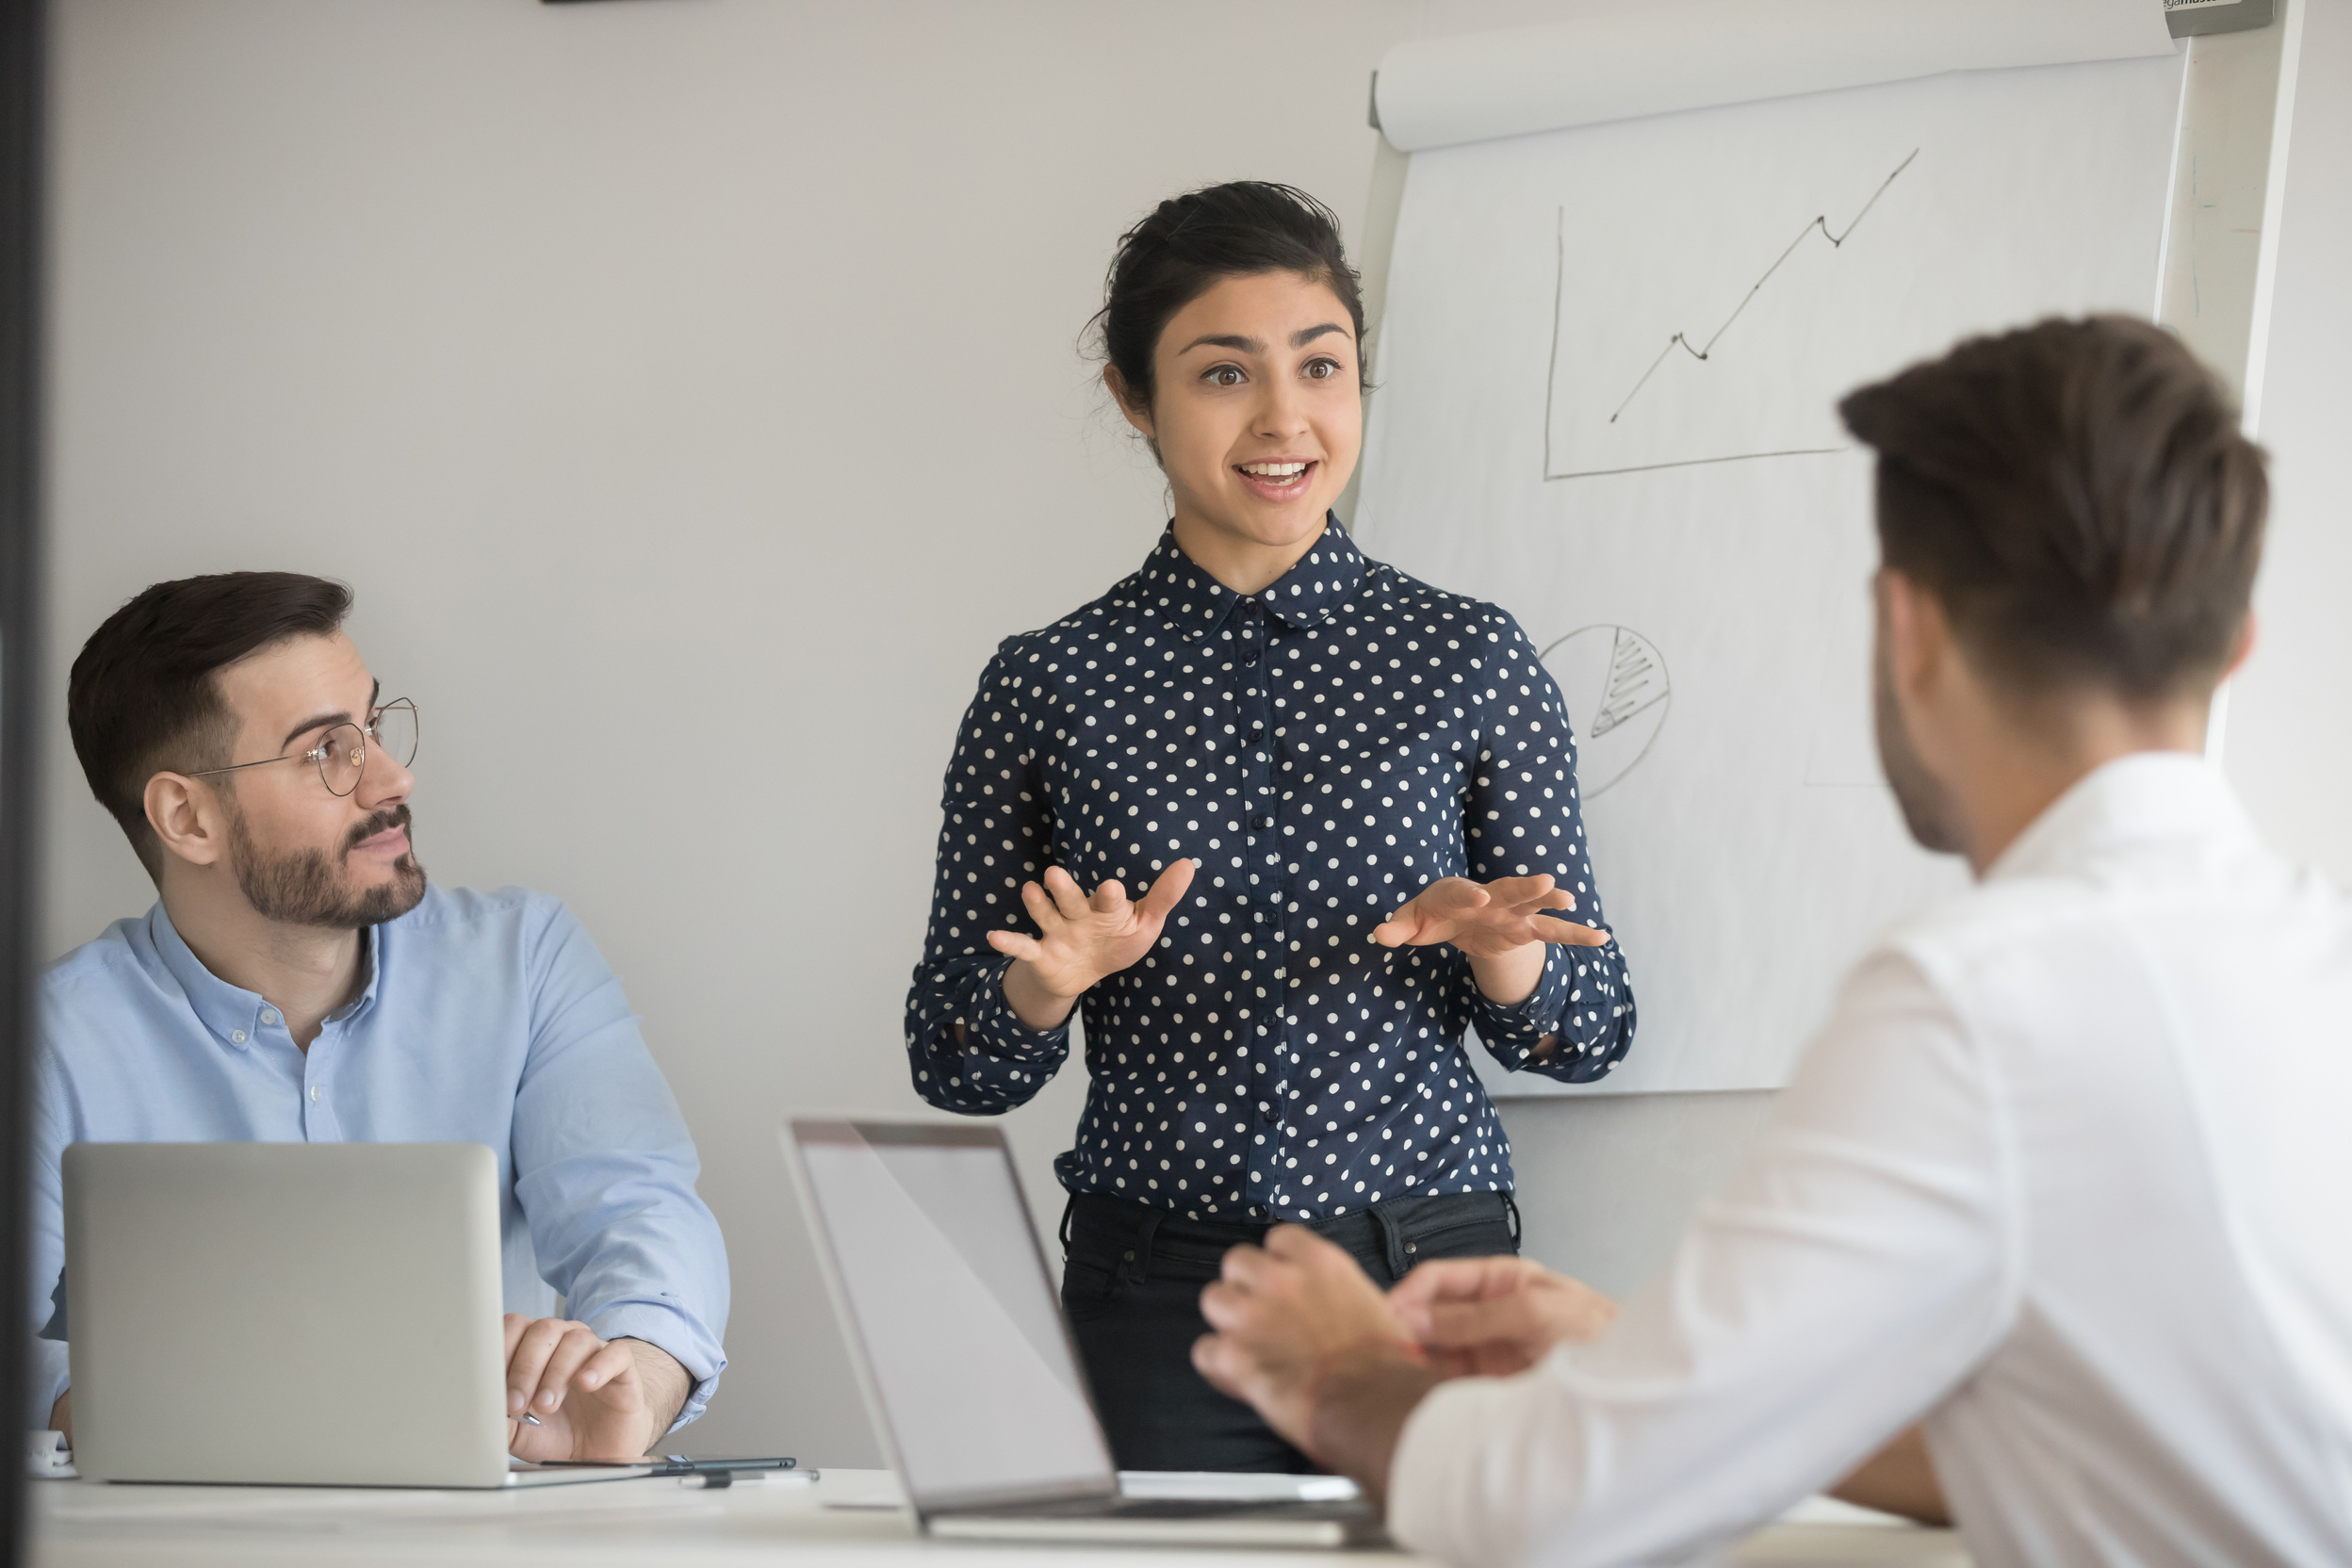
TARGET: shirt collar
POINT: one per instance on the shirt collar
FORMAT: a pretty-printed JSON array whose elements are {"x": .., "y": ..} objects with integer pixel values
[
  {"x": 231, "y": 1012},
  {"x": 2147, "y": 794},
  {"x": 1321, "y": 580}
]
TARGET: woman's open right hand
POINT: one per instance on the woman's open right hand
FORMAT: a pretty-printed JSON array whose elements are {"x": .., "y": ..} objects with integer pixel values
[{"x": 1081, "y": 940}]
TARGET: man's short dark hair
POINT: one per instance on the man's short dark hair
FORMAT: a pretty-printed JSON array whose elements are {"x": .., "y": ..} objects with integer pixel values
[
  {"x": 143, "y": 698},
  {"x": 2078, "y": 497}
]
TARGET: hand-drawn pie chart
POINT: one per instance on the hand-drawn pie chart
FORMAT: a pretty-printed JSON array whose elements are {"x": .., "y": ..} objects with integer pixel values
[{"x": 1618, "y": 693}]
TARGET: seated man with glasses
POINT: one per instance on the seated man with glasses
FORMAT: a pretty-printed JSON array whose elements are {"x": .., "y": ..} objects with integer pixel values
[{"x": 299, "y": 981}]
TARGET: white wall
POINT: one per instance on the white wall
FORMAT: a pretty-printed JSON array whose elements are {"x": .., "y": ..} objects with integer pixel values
[
  {"x": 689, "y": 389},
  {"x": 2288, "y": 746}
]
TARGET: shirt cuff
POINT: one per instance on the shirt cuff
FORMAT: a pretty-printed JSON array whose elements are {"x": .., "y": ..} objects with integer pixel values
[
  {"x": 1512, "y": 1033},
  {"x": 992, "y": 1018},
  {"x": 1440, "y": 1504},
  {"x": 688, "y": 1343},
  {"x": 47, "y": 1378}
]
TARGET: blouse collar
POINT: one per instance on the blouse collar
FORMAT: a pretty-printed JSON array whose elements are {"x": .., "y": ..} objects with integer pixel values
[{"x": 1322, "y": 579}]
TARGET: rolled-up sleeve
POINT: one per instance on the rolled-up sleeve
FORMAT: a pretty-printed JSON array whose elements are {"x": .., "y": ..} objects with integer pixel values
[
  {"x": 1522, "y": 816},
  {"x": 605, "y": 1171},
  {"x": 967, "y": 1050},
  {"x": 1868, "y": 1231}
]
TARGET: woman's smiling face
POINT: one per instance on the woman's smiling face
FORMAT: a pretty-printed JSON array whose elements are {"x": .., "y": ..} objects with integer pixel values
[{"x": 1258, "y": 414}]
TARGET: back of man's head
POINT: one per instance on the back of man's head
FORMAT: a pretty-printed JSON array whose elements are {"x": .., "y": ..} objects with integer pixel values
[
  {"x": 143, "y": 697},
  {"x": 2079, "y": 498}
]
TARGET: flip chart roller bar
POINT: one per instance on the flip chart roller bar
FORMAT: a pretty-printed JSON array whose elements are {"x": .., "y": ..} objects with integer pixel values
[
  {"x": 1441, "y": 91},
  {"x": 2191, "y": 18}
]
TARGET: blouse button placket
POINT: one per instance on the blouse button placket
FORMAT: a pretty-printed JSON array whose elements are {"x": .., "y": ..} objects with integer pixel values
[{"x": 1269, "y": 889}]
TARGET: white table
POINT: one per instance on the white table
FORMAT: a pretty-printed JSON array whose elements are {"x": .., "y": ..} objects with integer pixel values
[{"x": 848, "y": 1517}]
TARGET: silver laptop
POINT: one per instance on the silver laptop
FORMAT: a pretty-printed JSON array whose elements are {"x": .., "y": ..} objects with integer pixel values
[
  {"x": 290, "y": 1315},
  {"x": 966, "y": 1362}
]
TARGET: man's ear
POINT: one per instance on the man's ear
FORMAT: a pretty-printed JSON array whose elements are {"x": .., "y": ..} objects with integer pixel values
[
  {"x": 1137, "y": 415},
  {"x": 1916, "y": 633},
  {"x": 188, "y": 819},
  {"x": 2245, "y": 649}
]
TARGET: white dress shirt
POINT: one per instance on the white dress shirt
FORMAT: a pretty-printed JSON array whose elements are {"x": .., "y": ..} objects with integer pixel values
[{"x": 2067, "y": 1174}]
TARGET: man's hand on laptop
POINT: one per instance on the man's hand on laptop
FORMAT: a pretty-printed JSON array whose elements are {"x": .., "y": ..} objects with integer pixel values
[
  {"x": 1305, "y": 1338},
  {"x": 595, "y": 1399},
  {"x": 1494, "y": 1317}
]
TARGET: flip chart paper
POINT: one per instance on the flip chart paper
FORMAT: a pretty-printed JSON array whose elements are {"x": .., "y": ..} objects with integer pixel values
[{"x": 1591, "y": 338}]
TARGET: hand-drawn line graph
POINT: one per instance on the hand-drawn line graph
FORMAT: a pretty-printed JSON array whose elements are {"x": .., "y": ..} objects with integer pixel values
[
  {"x": 1617, "y": 692},
  {"x": 1682, "y": 340},
  {"x": 1701, "y": 354}
]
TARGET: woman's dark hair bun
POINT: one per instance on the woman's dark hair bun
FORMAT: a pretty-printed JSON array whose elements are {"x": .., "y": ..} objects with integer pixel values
[{"x": 1191, "y": 242}]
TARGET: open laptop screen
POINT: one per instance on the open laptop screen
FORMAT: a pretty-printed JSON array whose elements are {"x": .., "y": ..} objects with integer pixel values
[{"x": 941, "y": 1275}]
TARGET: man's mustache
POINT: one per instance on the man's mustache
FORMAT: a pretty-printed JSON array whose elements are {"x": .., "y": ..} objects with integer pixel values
[{"x": 395, "y": 816}]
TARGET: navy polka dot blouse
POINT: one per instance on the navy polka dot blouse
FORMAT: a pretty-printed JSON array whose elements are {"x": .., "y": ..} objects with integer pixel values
[{"x": 1324, "y": 750}]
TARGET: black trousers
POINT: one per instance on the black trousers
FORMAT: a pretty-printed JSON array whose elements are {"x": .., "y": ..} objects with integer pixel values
[{"x": 1131, "y": 1285}]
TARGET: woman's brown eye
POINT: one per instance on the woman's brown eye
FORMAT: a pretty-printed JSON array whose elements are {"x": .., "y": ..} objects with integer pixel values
[
  {"x": 1323, "y": 369},
  {"x": 1225, "y": 375}
]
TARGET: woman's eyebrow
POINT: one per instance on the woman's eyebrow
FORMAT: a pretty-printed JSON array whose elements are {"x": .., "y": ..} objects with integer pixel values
[
  {"x": 1226, "y": 340},
  {"x": 1299, "y": 339}
]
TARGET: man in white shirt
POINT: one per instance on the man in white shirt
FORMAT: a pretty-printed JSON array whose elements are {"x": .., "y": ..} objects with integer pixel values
[{"x": 2062, "y": 1179}]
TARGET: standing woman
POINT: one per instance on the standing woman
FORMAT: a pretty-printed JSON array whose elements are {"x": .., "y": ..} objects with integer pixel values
[{"x": 1352, "y": 800}]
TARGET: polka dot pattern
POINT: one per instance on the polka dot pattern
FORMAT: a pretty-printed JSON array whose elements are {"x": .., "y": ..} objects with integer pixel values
[{"x": 1324, "y": 750}]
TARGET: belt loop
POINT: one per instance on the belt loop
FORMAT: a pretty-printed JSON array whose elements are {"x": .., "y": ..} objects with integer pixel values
[
  {"x": 1069, "y": 1206},
  {"x": 1391, "y": 1241},
  {"x": 1136, "y": 1265},
  {"x": 1511, "y": 1210}
]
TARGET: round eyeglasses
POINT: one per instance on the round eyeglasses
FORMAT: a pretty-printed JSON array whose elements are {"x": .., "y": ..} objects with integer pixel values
[{"x": 341, "y": 754}]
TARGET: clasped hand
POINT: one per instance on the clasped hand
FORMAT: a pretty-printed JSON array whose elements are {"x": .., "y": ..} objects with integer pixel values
[
  {"x": 1337, "y": 1367},
  {"x": 1492, "y": 1317}
]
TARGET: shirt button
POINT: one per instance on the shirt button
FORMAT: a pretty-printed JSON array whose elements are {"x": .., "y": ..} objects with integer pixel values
[
  {"x": 237, "y": 1035},
  {"x": 314, "y": 1094},
  {"x": 269, "y": 1015},
  {"x": 1264, "y": 819}
]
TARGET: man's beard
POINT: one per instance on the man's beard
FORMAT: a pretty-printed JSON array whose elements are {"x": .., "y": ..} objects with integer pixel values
[
  {"x": 1927, "y": 807},
  {"x": 307, "y": 888}
]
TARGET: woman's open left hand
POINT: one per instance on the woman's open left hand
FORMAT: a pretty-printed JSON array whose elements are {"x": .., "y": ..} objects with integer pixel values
[{"x": 1486, "y": 923}]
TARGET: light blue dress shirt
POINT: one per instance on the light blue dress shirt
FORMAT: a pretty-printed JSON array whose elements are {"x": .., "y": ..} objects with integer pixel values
[{"x": 487, "y": 1018}]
